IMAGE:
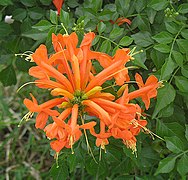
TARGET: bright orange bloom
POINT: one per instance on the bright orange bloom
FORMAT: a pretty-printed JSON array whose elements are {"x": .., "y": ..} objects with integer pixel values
[
  {"x": 44, "y": 110},
  {"x": 146, "y": 91},
  {"x": 68, "y": 76},
  {"x": 121, "y": 21},
  {"x": 102, "y": 137}
]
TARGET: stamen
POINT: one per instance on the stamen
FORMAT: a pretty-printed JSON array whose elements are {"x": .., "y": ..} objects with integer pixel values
[
  {"x": 146, "y": 130},
  {"x": 161, "y": 83},
  {"x": 56, "y": 159},
  {"x": 103, "y": 147},
  {"x": 71, "y": 142},
  {"x": 64, "y": 29},
  {"x": 141, "y": 115},
  {"x": 133, "y": 53},
  {"x": 60, "y": 45},
  {"x": 100, "y": 154},
  {"x": 27, "y": 117},
  {"x": 131, "y": 145},
  {"x": 138, "y": 52},
  {"x": 25, "y": 85},
  {"x": 122, "y": 85},
  {"x": 111, "y": 86},
  {"x": 132, "y": 50},
  {"x": 28, "y": 56},
  {"x": 87, "y": 142},
  {"x": 31, "y": 83}
]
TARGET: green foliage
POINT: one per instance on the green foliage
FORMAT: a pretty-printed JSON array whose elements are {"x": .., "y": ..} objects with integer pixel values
[{"x": 159, "y": 28}]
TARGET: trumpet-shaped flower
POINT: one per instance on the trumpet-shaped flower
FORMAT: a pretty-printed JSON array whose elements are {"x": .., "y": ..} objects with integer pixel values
[{"x": 69, "y": 76}]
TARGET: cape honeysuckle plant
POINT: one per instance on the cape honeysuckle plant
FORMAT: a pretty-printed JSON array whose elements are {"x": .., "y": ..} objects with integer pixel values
[
  {"x": 158, "y": 27},
  {"x": 77, "y": 92}
]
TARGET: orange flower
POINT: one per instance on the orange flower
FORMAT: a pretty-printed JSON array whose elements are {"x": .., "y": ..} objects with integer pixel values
[
  {"x": 146, "y": 91},
  {"x": 121, "y": 21},
  {"x": 44, "y": 110},
  {"x": 56, "y": 129},
  {"x": 68, "y": 74},
  {"x": 58, "y": 4},
  {"x": 102, "y": 137}
]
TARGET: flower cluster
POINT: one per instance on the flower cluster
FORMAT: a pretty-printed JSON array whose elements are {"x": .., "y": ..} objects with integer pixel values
[{"x": 77, "y": 92}]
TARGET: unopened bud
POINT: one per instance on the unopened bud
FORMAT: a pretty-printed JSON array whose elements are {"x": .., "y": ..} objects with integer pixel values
[{"x": 93, "y": 91}]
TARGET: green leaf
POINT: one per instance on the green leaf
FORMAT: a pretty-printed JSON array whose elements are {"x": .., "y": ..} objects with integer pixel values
[
  {"x": 151, "y": 13},
  {"x": 35, "y": 34},
  {"x": 184, "y": 71},
  {"x": 184, "y": 33},
  {"x": 72, "y": 3},
  {"x": 172, "y": 27},
  {"x": 183, "y": 8},
  {"x": 28, "y": 3},
  {"x": 8, "y": 76},
  {"x": 122, "y": 7},
  {"x": 26, "y": 25},
  {"x": 165, "y": 96},
  {"x": 139, "y": 60},
  {"x": 6, "y": 59},
  {"x": 105, "y": 15},
  {"x": 59, "y": 173},
  {"x": 178, "y": 57},
  {"x": 170, "y": 129},
  {"x": 64, "y": 18},
  {"x": 182, "y": 165},
  {"x": 158, "y": 58},
  {"x": 174, "y": 144},
  {"x": 50, "y": 31},
  {"x": 43, "y": 25},
  {"x": 5, "y": 29},
  {"x": 116, "y": 32},
  {"x": 167, "y": 111},
  {"x": 162, "y": 48},
  {"x": 46, "y": 2},
  {"x": 140, "y": 5},
  {"x": 126, "y": 41},
  {"x": 142, "y": 39},
  {"x": 166, "y": 165},
  {"x": 142, "y": 23},
  {"x": 112, "y": 7},
  {"x": 19, "y": 14},
  {"x": 53, "y": 17},
  {"x": 36, "y": 13},
  {"x": 23, "y": 65},
  {"x": 182, "y": 83},
  {"x": 96, "y": 40},
  {"x": 158, "y": 4},
  {"x": 72, "y": 162},
  {"x": 93, "y": 168},
  {"x": 163, "y": 37},
  {"x": 6, "y": 2},
  {"x": 182, "y": 44},
  {"x": 96, "y": 5},
  {"x": 101, "y": 27},
  {"x": 105, "y": 46},
  {"x": 167, "y": 69}
]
